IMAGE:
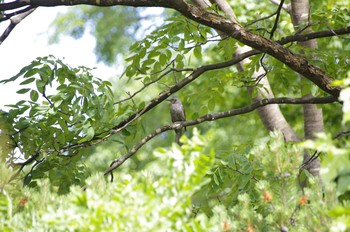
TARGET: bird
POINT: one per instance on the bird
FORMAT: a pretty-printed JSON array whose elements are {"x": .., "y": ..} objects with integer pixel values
[{"x": 177, "y": 113}]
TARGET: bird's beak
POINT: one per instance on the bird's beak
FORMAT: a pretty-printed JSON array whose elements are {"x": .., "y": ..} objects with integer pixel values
[{"x": 168, "y": 100}]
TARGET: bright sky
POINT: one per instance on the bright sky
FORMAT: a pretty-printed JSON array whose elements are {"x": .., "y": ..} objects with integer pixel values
[{"x": 29, "y": 40}]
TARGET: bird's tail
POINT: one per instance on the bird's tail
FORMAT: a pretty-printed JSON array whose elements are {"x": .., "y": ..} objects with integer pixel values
[{"x": 178, "y": 136}]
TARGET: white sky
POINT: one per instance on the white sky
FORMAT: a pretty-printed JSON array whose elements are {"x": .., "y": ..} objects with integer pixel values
[{"x": 29, "y": 40}]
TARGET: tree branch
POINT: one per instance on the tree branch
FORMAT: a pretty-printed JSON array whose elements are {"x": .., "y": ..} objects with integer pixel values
[
  {"x": 199, "y": 71},
  {"x": 52, "y": 3},
  {"x": 215, "y": 116},
  {"x": 317, "y": 153},
  {"x": 283, "y": 54},
  {"x": 285, "y": 7},
  {"x": 164, "y": 95},
  {"x": 14, "y": 21},
  {"x": 8, "y": 16},
  {"x": 337, "y": 136},
  {"x": 314, "y": 35},
  {"x": 278, "y": 13}
]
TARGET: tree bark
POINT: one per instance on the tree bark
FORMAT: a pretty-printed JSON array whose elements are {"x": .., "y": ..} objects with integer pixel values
[
  {"x": 313, "y": 117},
  {"x": 270, "y": 115}
]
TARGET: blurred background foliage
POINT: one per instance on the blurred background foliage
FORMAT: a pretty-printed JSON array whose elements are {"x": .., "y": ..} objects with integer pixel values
[{"x": 230, "y": 175}]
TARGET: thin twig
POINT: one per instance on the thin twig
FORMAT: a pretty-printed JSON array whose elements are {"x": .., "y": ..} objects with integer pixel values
[
  {"x": 317, "y": 154},
  {"x": 314, "y": 35},
  {"x": 278, "y": 12},
  {"x": 152, "y": 82},
  {"x": 286, "y": 7},
  {"x": 341, "y": 134}
]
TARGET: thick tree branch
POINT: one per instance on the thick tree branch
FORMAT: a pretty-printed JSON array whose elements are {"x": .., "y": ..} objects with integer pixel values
[
  {"x": 295, "y": 62},
  {"x": 52, "y": 3},
  {"x": 215, "y": 116},
  {"x": 283, "y": 54}
]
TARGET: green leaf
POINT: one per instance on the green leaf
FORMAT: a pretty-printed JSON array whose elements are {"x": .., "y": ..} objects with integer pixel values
[
  {"x": 181, "y": 45},
  {"x": 142, "y": 52},
  {"x": 215, "y": 178},
  {"x": 141, "y": 105},
  {"x": 40, "y": 85},
  {"x": 28, "y": 81},
  {"x": 63, "y": 125},
  {"x": 23, "y": 71},
  {"x": 133, "y": 46},
  {"x": 179, "y": 59},
  {"x": 22, "y": 124},
  {"x": 27, "y": 179},
  {"x": 211, "y": 104},
  {"x": 34, "y": 95},
  {"x": 125, "y": 132},
  {"x": 22, "y": 91},
  {"x": 58, "y": 103},
  {"x": 198, "y": 52},
  {"x": 168, "y": 54},
  {"x": 31, "y": 72},
  {"x": 162, "y": 59},
  {"x": 10, "y": 79},
  {"x": 21, "y": 102},
  {"x": 90, "y": 133}
]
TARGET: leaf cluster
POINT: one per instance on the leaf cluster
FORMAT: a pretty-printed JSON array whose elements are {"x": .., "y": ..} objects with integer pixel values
[{"x": 65, "y": 106}]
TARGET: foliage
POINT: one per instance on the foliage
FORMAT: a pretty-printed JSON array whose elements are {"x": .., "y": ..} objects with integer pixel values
[
  {"x": 44, "y": 127},
  {"x": 123, "y": 23},
  {"x": 335, "y": 156},
  {"x": 232, "y": 176},
  {"x": 173, "y": 192},
  {"x": 135, "y": 202}
]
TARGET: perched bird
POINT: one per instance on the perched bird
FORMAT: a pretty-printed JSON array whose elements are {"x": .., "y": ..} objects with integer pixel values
[{"x": 177, "y": 113}]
